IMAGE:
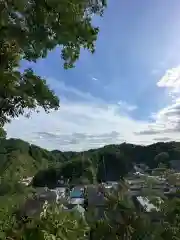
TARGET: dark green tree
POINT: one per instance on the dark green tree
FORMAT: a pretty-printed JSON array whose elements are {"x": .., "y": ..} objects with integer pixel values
[
  {"x": 162, "y": 158},
  {"x": 112, "y": 166},
  {"x": 2, "y": 133},
  {"x": 53, "y": 223}
]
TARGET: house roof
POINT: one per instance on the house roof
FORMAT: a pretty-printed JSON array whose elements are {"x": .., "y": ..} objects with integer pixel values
[
  {"x": 76, "y": 201},
  {"x": 145, "y": 203}
]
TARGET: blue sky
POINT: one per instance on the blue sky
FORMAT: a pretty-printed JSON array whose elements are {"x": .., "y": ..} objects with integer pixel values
[{"x": 123, "y": 92}]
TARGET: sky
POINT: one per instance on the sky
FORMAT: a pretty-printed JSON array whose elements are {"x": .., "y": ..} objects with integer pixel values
[{"x": 127, "y": 91}]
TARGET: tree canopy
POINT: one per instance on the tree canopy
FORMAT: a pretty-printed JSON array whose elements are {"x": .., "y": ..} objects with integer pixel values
[
  {"x": 28, "y": 30},
  {"x": 104, "y": 164},
  {"x": 162, "y": 158}
]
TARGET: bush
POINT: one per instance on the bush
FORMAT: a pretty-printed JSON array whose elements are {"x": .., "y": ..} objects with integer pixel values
[{"x": 53, "y": 223}]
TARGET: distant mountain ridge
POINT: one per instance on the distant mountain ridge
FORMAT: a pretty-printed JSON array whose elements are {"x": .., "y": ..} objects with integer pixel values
[{"x": 107, "y": 163}]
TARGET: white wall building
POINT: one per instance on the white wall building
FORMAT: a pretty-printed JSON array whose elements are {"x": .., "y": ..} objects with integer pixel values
[{"x": 146, "y": 204}]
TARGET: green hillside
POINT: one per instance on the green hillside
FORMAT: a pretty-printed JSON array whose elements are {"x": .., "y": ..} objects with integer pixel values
[{"x": 20, "y": 159}]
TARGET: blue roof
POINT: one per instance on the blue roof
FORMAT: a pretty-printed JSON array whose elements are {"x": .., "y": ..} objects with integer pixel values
[{"x": 76, "y": 193}]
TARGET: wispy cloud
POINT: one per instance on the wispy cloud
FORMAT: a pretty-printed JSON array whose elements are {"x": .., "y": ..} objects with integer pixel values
[
  {"x": 171, "y": 80},
  {"x": 94, "y": 79},
  {"x": 79, "y": 124},
  {"x": 127, "y": 106},
  {"x": 78, "y": 138},
  {"x": 88, "y": 122},
  {"x": 64, "y": 91},
  {"x": 167, "y": 119},
  {"x": 162, "y": 139},
  {"x": 91, "y": 122},
  {"x": 122, "y": 76}
]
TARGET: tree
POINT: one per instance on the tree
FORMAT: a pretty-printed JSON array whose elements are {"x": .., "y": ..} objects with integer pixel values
[
  {"x": 23, "y": 91},
  {"x": 28, "y": 30},
  {"x": 53, "y": 223},
  {"x": 162, "y": 158},
  {"x": 3, "y": 133},
  {"x": 122, "y": 221},
  {"x": 112, "y": 165}
]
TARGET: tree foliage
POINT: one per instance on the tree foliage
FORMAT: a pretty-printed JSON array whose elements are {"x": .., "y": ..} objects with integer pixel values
[
  {"x": 28, "y": 30},
  {"x": 53, "y": 223},
  {"x": 103, "y": 164},
  {"x": 2, "y": 133},
  {"x": 35, "y": 27},
  {"x": 23, "y": 91},
  {"x": 162, "y": 158}
]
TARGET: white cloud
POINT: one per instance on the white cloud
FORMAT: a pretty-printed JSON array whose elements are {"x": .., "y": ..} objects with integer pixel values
[
  {"x": 90, "y": 122},
  {"x": 62, "y": 89},
  {"x": 94, "y": 79},
  {"x": 79, "y": 124},
  {"x": 126, "y": 106},
  {"x": 171, "y": 80},
  {"x": 167, "y": 120}
]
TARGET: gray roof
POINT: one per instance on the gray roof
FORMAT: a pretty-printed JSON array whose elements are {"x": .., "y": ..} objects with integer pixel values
[
  {"x": 94, "y": 198},
  {"x": 76, "y": 200}
]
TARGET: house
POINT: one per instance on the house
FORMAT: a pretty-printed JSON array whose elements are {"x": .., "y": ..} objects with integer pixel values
[
  {"x": 76, "y": 201},
  {"x": 77, "y": 196},
  {"x": 33, "y": 206},
  {"x": 143, "y": 204},
  {"x": 45, "y": 194},
  {"x": 138, "y": 184},
  {"x": 135, "y": 183}
]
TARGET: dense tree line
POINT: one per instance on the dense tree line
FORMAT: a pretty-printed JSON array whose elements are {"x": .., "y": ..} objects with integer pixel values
[
  {"x": 115, "y": 161},
  {"x": 21, "y": 159}
]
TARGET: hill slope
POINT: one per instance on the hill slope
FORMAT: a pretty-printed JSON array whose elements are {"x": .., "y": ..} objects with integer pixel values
[{"x": 20, "y": 159}]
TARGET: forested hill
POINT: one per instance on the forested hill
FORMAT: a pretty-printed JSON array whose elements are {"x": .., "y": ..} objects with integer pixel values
[{"x": 20, "y": 159}]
